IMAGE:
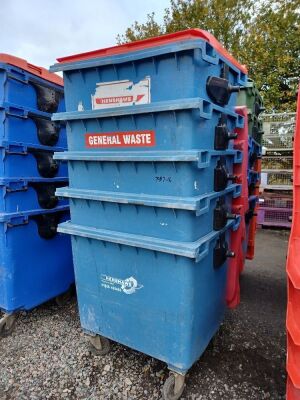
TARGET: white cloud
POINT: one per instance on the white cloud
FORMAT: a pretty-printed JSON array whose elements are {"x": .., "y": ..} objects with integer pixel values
[{"x": 41, "y": 31}]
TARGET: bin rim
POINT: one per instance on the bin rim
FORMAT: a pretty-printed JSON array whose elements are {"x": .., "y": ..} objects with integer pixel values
[
  {"x": 31, "y": 68},
  {"x": 7, "y": 216},
  {"x": 21, "y": 111},
  {"x": 181, "y": 36},
  {"x": 202, "y": 157},
  {"x": 205, "y": 107},
  {"x": 25, "y": 147},
  {"x": 200, "y": 204},
  {"x": 27, "y": 180},
  {"x": 196, "y": 250}
]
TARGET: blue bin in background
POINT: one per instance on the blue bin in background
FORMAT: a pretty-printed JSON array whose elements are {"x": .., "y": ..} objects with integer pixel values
[
  {"x": 20, "y": 87},
  {"x": 21, "y": 194},
  {"x": 253, "y": 179},
  {"x": 18, "y": 124},
  {"x": 20, "y": 160},
  {"x": 254, "y": 152},
  {"x": 253, "y": 200},
  {"x": 36, "y": 261}
]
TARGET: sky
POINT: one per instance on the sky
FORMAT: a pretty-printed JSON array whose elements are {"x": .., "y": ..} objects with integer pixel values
[{"x": 42, "y": 30}]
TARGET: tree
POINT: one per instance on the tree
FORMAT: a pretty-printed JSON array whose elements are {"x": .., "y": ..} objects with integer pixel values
[
  {"x": 262, "y": 35},
  {"x": 273, "y": 53}
]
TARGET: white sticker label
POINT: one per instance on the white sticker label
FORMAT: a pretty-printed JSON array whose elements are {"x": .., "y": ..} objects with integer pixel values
[
  {"x": 121, "y": 94},
  {"x": 127, "y": 286}
]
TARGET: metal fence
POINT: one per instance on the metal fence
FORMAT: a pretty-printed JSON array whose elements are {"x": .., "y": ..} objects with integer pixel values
[
  {"x": 278, "y": 163},
  {"x": 278, "y": 130},
  {"x": 278, "y": 180}
]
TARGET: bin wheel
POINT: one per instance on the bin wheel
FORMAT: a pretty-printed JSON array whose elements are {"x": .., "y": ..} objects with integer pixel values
[
  {"x": 173, "y": 387},
  {"x": 64, "y": 298},
  {"x": 7, "y": 324},
  {"x": 99, "y": 345}
]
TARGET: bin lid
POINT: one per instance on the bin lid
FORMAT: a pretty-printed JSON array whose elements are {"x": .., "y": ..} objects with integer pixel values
[
  {"x": 188, "y": 34},
  {"x": 33, "y": 69}
]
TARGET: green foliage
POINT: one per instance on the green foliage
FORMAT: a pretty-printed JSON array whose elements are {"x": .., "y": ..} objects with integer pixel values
[
  {"x": 273, "y": 53},
  {"x": 265, "y": 36},
  {"x": 141, "y": 31}
]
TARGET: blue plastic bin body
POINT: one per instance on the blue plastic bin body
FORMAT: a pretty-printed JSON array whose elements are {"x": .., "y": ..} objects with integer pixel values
[
  {"x": 22, "y": 161},
  {"x": 174, "y": 71},
  {"x": 18, "y": 124},
  {"x": 35, "y": 260},
  {"x": 180, "y": 125},
  {"x": 178, "y": 173},
  {"x": 253, "y": 200},
  {"x": 182, "y": 219},
  {"x": 253, "y": 177},
  {"x": 20, "y": 87},
  {"x": 136, "y": 284},
  {"x": 34, "y": 269},
  {"x": 254, "y": 151},
  {"x": 23, "y": 194}
]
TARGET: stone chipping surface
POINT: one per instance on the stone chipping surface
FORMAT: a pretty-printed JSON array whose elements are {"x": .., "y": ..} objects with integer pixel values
[{"x": 47, "y": 356}]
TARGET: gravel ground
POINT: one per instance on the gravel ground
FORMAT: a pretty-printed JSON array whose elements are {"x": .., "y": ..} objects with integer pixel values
[{"x": 47, "y": 356}]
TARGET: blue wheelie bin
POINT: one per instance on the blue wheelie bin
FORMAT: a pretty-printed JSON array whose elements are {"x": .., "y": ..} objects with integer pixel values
[
  {"x": 36, "y": 260},
  {"x": 150, "y": 160}
]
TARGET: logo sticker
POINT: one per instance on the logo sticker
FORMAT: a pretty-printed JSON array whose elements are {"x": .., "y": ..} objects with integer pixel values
[
  {"x": 127, "y": 286},
  {"x": 121, "y": 94},
  {"x": 120, "y": 139}
]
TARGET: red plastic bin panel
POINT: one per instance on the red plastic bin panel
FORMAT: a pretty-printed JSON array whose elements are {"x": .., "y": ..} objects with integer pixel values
[
  {"x": 239, "y": 206},
  {"x": 293, "y": 361},
  {"x": 253, "y": 222},
  {"x": 293, "y": 393},
  {"x": 293, "y": 272},
  {"x": 293, "y": 311}
]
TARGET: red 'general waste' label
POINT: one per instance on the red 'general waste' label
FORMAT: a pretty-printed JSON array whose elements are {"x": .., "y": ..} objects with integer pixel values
[{"x": 120, "y": 139}]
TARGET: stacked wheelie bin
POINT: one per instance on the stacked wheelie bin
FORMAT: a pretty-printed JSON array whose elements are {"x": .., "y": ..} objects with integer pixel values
[
  {"x": 250, "y": 97},
  {"x": 151, "y": 158},
  {"x": 35, "y": 260}
]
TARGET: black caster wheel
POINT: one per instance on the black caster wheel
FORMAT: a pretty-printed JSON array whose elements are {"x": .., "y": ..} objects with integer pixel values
[
  {"x": 99, "y": 345},
  {"x": 7, "y": 324},
  {"x": 173, "y": 387}
]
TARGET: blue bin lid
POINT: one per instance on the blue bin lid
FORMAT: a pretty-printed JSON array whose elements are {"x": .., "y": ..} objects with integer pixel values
[{"x": 182, "y": 36}]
